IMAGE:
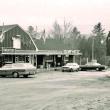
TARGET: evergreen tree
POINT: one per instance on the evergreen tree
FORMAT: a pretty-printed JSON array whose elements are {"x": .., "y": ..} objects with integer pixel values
[
  {"x": 99, "y": 47},
  {"x": 30, "y": 29}
]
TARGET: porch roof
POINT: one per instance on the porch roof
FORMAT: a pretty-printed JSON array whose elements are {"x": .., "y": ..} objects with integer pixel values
[{"x": 40, "y": 52}]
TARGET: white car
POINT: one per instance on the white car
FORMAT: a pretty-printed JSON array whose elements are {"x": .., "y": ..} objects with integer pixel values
[
  {"x": 17, "y": 69},
  {"x": 70, "y": 67}
]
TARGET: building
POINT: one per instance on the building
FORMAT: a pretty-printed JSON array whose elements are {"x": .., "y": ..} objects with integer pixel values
[{"x": 18, "y": 46}]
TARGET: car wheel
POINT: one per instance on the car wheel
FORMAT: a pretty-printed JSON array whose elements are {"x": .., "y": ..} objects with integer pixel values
[
  {"x": 71, "y": 70},
  {"x": 77, "y": 70},
  {"x": 16, "y": 75},
  {"x": 25, "y": 75},
  {"x": 62, "y": 70}
]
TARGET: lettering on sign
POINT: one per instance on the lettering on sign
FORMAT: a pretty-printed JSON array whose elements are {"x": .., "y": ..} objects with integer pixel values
[{"x": 8, "y": 50}]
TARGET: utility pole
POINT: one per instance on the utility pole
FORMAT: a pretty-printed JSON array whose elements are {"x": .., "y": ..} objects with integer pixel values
[
  {"x": 74, "y": 59},
  {"x": 93, "y": 49},
  {"x": 87, "y": 60}
]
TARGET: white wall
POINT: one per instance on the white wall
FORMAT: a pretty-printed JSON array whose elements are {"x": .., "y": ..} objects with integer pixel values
[{"x": 16, "y": 43}]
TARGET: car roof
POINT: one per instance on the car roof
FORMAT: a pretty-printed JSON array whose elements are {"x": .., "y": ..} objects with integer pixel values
[
  {"x": 93, "y": 63},
  {"x": 18, "y": 64},
  {"x": 73, "y": 63}
]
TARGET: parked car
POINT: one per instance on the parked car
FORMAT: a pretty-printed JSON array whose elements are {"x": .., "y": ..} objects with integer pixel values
[
  {"x": 70, "y": 67},
  {"x": 92, "y": 66},
  {"x": 17, "y": 69}
]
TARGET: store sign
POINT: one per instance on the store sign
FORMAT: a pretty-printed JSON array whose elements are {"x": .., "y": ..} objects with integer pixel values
[
  {"x": 75, "y": 52},
  {"x": 8, "y": 50},
  {"x": 67, "y": 51}
]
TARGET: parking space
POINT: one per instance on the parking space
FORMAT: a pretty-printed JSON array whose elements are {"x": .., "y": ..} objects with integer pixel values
[{"x": 56, "y": 90}]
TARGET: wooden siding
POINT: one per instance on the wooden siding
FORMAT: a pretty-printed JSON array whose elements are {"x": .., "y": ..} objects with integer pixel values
[{"x": 26, "y": 43}]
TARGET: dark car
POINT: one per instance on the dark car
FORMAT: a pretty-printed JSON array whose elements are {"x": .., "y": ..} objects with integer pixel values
[
  {"x": 17, "y": 69},
  {"x": 92, "y": 66}
]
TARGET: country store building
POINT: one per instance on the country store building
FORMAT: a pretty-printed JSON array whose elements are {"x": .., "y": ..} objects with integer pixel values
[{"x": 18, "y": 46}]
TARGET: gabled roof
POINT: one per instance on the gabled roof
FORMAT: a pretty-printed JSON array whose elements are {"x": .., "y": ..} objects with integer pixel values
[{"x": 7, "y": 27}]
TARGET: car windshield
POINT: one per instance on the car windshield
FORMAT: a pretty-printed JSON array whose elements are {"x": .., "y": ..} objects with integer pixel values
[
  {"x": 28, "y": 65},
  {"x": 7, "y": 66},
  {"x": 92, "y": 63},
  {"x": 71, "y": 64},
  {"x": 23, "y": 65},
  {"x": 96, "y": 64}
]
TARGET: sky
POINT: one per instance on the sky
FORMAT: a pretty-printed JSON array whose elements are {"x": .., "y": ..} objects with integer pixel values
[{"x": 83, "y": 14}]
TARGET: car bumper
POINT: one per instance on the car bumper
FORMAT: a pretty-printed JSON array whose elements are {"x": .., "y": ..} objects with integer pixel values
[
  {"x": 66, "y": 69},
  {"x": 28, "y": 72}
]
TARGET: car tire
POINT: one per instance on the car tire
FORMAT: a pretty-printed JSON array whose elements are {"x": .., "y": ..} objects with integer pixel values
[
  {"x": 71, "y": 70},
  {"x": 77, "y": 70},
  {"x": 25, "y": 75},
  {"x": 62, "y": 70},
  {"x": 15, "y": 75}
]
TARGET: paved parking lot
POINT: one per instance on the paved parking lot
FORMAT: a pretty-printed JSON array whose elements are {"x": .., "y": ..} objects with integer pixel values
[{"x": 56, "y": 90}]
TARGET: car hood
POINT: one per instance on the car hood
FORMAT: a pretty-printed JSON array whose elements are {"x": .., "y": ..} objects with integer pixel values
[
  {"x": 66, "y": 66},
  {"x": 17, "y": 68}
]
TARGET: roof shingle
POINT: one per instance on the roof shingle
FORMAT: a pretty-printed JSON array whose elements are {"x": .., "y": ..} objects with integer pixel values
[{"x": 7, "y": 27}]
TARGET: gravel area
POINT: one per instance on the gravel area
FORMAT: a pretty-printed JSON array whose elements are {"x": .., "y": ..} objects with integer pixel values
[{"x": 57, "y": 90}]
